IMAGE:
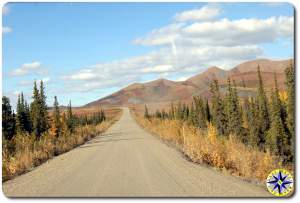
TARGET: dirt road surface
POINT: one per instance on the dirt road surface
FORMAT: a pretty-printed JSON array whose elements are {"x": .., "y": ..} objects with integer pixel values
[{"x": 127, "y": 161}]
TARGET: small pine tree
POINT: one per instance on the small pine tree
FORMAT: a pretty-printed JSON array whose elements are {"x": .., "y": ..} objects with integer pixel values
[
  {"x": 70, "y": 118},
  {"x": 277, "y": 138},
  {"x": 20, "y": 115},
  {"x": 56, "y": 125},
  {"x": 23, "y": 122},
  {"x": 35, "y": 112},
  {"x": 252, "y": 116},
  {"x": 64, "y": 125},
  {"x": 207, "y": 111},
  {"x": 290, "y": 120},
  {"x": 233, "y": 111},
  {"x": 146, "y": 113},
  {"x": 8, "y": 120},
  {"x": 263, "y": 113},
  {"x": 172, "y": 111},
  {"x": 200, "y": 112},
  {"x": 43, "y": 109},
  {"x": 219, "y": 118},
  {"x": 103, "y": 117}
]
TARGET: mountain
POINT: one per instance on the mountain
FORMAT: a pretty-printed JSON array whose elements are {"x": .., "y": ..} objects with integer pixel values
[
  {"x": 162, "y": 90},
  {"x": 158, "y": 90}
]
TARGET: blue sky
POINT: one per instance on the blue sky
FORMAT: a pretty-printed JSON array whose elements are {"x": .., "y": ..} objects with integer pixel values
[{"x": 84, "y": 51}]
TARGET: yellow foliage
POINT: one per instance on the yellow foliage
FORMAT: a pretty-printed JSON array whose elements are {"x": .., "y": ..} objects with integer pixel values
[
  {"x": 30, "y": 152},
  {"x": 204, "y": 146},
  {"x": 283, "y": 96}
]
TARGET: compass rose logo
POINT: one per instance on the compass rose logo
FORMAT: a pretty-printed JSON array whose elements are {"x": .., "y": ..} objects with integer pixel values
[{"x": 280, "y": 182}]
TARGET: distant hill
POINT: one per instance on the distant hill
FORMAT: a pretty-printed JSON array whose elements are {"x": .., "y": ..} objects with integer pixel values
[{"x": 162, "y": 90}]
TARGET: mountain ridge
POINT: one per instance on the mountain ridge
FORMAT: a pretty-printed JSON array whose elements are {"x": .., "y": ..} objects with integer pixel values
[{"x": 164, "y": 90}]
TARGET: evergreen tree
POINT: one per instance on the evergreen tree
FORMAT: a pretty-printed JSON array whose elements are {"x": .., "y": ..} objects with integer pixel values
[
  {"x": 28, "y": 123},
  {"x": 233, "y": 111},
  {"x": 146, "y": 113},
  {"x": 172, "y": 111},
  {"x": 20, "y": 115},
  {"x": 193, "y": 115},
  {"x": 35, "y": 112},
  {"x": 70, "y": 118},
  {"x": 43, "y": 108},
  {"x": 23, "y": 122},
  {"x": 8, "y": 120},
  {"x": 179, "y": 112},
  {"x": 290, "y": 120},
  {"x": 200, "y": 112},
  {"x": 56, "y": 126},
  {"x": 245, "y": 113},
  {"x": 207, "y": 111},
  {"x": 263, "y": 114},
  {"x": 158, "y": 114},
  {"x": 252, "y": 116},
  {"x": 103, "y": 117},
  {"x": 64, "y": 126},
  {"x": 277, "y": 139},
  {"x": 218, "y": 113}
]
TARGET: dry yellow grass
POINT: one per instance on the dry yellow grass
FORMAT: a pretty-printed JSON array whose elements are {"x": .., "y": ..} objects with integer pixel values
[
  {"x": 30, "y": 152},
  {"x": 199, "y": 146}
]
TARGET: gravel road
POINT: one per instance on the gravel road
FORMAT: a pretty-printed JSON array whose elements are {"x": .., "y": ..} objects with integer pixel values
[{"x": 127, "y": 161}]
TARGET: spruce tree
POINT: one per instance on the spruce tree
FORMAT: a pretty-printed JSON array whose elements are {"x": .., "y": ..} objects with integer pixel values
[
  {"x": 263, "y": 114},
  {"x": 207, "y": 111},
  {"x": 290, "y": 120},
  {"x": 20, "y": 114},
  {"x": 179, "y": 111},
  {"x": 28, "y": 123},
  {"x": 277, "y": 139},
  {"x": 23, "y": 123},
  {"x": 70, "y": 118},
  {"x": 245, "y": 108},
  {"x": 200, "y": 112},
  {"x": 172, "y": 111},
  {"x": 219, "y": 118},
  {"x": 193, "y": 115},
  {"x": 8, "y": 120},
  {"x": 103, "y": 117},
  {"x": 146, "y": 113},
  {"x": 252, "y": 116},
  {"x": 233, "y": 111},
  {"x": 56, "y": 118},
  {"x": 35, "y": 112},
  {"x": 43, "y": 108}
]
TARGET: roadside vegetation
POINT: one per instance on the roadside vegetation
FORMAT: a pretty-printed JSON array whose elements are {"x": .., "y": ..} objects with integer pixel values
[
  {"x": 248, "y": 137},
  {"x": 35, "y": 134}
]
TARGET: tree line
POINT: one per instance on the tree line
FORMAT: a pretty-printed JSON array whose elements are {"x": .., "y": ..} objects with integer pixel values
[
  {"x": 265, "y": 122},
  {"x": 35, "y": 118}
]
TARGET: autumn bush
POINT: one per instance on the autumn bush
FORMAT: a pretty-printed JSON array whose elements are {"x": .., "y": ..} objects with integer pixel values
[
  {"x": 29, "y": 152},
  {"x": 205, "y": 146}
]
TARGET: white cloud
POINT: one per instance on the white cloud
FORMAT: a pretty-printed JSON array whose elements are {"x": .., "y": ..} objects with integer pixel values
[
  {"x": 85, "y": 74},
  {"x": 222, "y": 32},
  {"x": 187, "y": 46},
  {"x": 164, "y": 35},
  {"x": 6, "y": 29},
  {"x": 238, "y": 32},
  {"x": 28, "y": 68},
  {"x": 201, "y": 14},
  {"x": 158, "y": 69},
  {"x": 182, "y": 78}
]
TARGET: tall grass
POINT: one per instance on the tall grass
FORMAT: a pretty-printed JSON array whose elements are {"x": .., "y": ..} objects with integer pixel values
[
  {"x": 205, "y": 146},
  {"x": 30, "y": 152}
]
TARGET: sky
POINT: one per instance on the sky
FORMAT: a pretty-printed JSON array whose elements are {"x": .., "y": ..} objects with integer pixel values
[{"x": 85, "y": 51}]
